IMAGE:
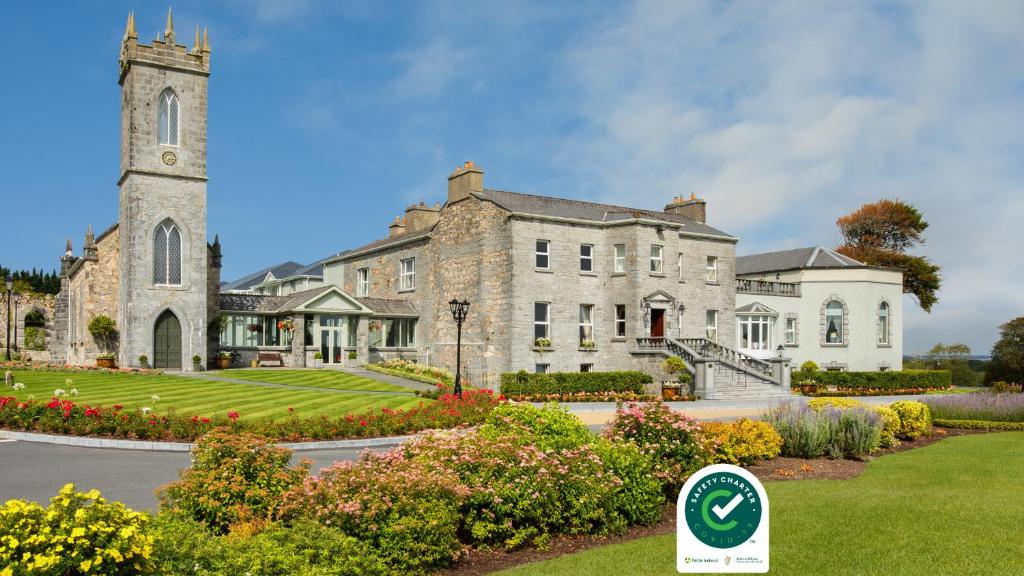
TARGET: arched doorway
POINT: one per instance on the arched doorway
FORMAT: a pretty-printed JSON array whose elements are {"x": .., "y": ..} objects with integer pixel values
[
  {"x": 167, "y": 342},
  {"x": 34, "y": 332}
]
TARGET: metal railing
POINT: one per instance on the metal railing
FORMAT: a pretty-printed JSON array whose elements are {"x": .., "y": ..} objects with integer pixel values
[{"x": 767, "y": 288}]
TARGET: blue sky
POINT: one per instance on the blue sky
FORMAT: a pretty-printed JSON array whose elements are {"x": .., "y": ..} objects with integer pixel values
[{"x": 327, "y": 118}]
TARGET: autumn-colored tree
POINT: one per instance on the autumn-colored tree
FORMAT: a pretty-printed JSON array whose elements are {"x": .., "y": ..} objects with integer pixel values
[
  {"x": 880, "y": 234},
  {"x": 1008, "y": 354}
]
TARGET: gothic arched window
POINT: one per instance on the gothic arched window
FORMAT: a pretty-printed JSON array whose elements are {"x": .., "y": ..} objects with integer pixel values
[
  {"x": 167, "y": 254},
  {"x": 168, "y": 118}
]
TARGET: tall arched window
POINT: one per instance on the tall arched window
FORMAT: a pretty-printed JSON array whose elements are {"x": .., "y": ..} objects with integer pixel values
[
  {"x": 883, "y": 324},
  {"x": 167, "y": 254},
  {"x": 834, "y": 322},
  {"x": 168, "y": 118}
]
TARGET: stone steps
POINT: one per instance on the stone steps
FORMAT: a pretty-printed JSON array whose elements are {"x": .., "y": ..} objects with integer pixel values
[{"x": 748, "y": 391}]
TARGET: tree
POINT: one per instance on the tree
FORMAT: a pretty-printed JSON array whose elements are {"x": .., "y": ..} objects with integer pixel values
[
  {"x": 880, "y": 234},
  {"x": 1008, "y": 354},
  {"x": 955, "y": 352}
]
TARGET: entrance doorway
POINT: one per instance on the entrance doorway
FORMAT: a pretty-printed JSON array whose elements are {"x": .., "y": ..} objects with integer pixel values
[
  {"x": 332, "y": 338},
  {"x": 657, "y": 323},
  {"x": 167, "y": 342}
]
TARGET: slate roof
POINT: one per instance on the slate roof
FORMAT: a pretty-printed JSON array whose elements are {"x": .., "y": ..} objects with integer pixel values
[
  {"x": 264, "y": 304},
  {"x": 282, "y": 270},
  {"x": 387, "y": 307},
  {"x": 756, "y": 307},
  {"x": 797, "y": 259},
  {"x": 383, "y": 243},
  {"x": 592, "y": 211}
]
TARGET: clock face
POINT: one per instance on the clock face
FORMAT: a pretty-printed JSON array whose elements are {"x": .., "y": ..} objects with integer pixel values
[{"x": 169, "y": 158}]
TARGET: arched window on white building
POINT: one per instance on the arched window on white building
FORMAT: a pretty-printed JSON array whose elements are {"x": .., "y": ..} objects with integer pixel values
[
  {"x": 167, "y": 254},
  {"x": 834, "y": 322},
  {"x": 883, "y": 324}
]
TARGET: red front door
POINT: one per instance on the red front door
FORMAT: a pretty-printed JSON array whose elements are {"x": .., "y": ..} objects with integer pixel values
[{"x": 657, "y": 323}]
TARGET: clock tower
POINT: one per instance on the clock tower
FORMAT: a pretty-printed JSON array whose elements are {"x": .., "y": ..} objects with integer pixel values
[{"x": 163, "y": 255}]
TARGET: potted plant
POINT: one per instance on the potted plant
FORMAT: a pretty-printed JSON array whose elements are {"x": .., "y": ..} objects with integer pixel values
[
  {"x": 224, "y": 360},
  {"x": 542, "y": 343},
  {"x": 143, "y": 361},
  {"x": 197, "y": 363},
  {"x": 318, "y": 360},
  {"x": 809, "y": 387},
  {"x": 674, "y": 366},
  {"x": 588, "y": 344},
  {"x": 286, "y": 325},
  {"x": 102, "y": 329},
  {"x": 106, "y": 360},
  {"x": 353, "y": 359}
]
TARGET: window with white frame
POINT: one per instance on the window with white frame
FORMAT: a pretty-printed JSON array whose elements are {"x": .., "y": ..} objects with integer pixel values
[
  {"x": 167, "y": 118},
  {"x": 791, "y": 331},
  {"x": 542, "y": 320},
  {"x": 712, "y": 269},
  {"x": 679, "y": 265},
  {"x": 620, "y": 258},
  {"x": 407, "y": 280},
  {"x": 755, "y": 332},
  {"x": 883, "y": 324},
  {"x": 586, "y": 323},
  {"x": 167, "y": 254},
  {"x": 834, "y": 322},
  {"x": 541, "y": 368},
  {"x": 586, "y": 257},
  {"x": 657, "y": 262},
  {"x": 392, "y": 333},
  {"x": 711, "y": 325},
  {"x": 363, "y": 282},
  {"x": 620, "y": 320},
  {"x": 543, "y": 255}
]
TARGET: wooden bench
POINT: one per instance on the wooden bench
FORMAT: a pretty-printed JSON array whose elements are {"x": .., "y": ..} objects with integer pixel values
[{"x": 270, "y": 357}]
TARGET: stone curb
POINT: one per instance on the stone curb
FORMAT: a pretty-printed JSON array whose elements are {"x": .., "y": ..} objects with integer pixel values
[{"x": 157, "y": 446}]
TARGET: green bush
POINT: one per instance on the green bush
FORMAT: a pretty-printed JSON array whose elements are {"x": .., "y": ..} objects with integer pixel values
[
  {"x": 743, "y": 442},
  {"x": 235, "y": 477},
  {"x": 915, "y": 418},
  {"x": 79, "y": 533},
  {"x": 673, "y": 365},
  {"x": 907, "y": 379},
  {"x": 809, "y": 367},
  {"x": 890, "y": 426},
  {"x": 35, "y": 338},
  {"x": 979, "y": 425},
  {"x": 549, "y": 428},
  {"x": 522, "y": 382},
  {"x": 639, "y": 496}
]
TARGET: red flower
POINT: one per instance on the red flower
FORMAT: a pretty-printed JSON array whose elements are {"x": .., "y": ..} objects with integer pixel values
[
  {"x": 362, "y": 422},
  {"x": 233, "y": 416},
  {"x": 117, "y": 407}
]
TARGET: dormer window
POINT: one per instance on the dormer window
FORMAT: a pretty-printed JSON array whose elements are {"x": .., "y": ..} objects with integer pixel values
[{"x": 168, "y": 117}]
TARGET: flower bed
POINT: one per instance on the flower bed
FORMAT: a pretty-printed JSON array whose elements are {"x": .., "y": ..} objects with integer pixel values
[
  {"x": 51, "y": 367},
  {"x": 589, "y": 397},
  {"x": 983, "y": 406},
  {"x": 413, "y": 371},
  {"x": 843, "y": 392},
  {"x": 979, "y": 425},
  {"x": 891, "y": 380},
  {"x": 61, "y": 416},
  {"x": 524, "y": 383}
]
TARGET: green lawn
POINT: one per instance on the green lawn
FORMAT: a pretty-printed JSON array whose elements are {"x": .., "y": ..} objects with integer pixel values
[
  {"x": 314, "y": 378},
  {"x": 951, "y": 508},
  {"x": 203, "y": 397}
]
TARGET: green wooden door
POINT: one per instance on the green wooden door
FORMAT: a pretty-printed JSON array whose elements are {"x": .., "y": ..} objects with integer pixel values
[{"x": 167, "y": 342}]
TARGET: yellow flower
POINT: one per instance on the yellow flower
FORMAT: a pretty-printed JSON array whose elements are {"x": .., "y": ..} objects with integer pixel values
[
  {"x": 85, "y": 565},
  {"x": 78, "y": 532}
]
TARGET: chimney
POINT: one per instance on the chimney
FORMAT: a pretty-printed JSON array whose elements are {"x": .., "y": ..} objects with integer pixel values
[
  {"x": 397, "y": 227},
  {"x": 420, "y": 216},
  {"x": 694, "y": 208},
  {"x": 464, "y": 180}
]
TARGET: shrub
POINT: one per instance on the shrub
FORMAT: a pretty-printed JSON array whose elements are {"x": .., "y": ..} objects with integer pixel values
[
  {"x": 673, "y": 365},
  {"x": 352, "y": 355},
  {"x": 405, "y": 510},
  {"x": 915, "y": 418},
  {"x": 196, "y": 359},
  {"x": 185, "y": 547},
  {"x": 831, "y": 432},
  {"x": 979, "y": 425},
  {"x": 550, "y": 427},
  {"x": 79, "y": 533},
  {"x": 672, "y": 440},
  {"x": 235, "y": 477},
  {"x": 893, "y": 380},
  {"x": 890, "y": 427},
  {"x": 991, "y": 407},
  {"x": 1002, "y": 387},
  {"x": 517, "y": 383},
  {"x": 35, "y": 338},
  {"x": 411, "y": 370},
  {"x": 809, "y": 367},
  {"x": 743, "y": 442}
]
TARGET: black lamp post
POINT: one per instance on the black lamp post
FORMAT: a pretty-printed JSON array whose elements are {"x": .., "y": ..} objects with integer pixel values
[
  {"x": 10, "y": 288},
  {"x": 459, "y": 311},
  {"x": 17, "y": 300}
]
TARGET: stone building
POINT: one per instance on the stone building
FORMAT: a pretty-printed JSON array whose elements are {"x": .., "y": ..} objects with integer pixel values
[{"x": 153, "y": 271}]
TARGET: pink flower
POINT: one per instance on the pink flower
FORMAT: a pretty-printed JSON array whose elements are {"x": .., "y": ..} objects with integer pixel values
[{"x": 233, "y": 416}]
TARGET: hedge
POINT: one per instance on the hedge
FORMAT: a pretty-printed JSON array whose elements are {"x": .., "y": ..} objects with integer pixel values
[
  {"x": 978, "y": 424},
  {"x": 522, "y": 382},
  {"x": 907, "y": 379}
]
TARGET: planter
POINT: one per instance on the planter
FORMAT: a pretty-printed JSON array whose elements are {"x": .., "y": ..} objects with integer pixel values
[
  {"x": 670, "y": 392},
  {"x": 223, "y": 363},
  {"x": 197, "y": 367},
  {"x": 809, "y": 389},
  {"x": 254, "y": 364},
  {"x": 318, "y": 363},
  {"x": 106, "y": 363}
]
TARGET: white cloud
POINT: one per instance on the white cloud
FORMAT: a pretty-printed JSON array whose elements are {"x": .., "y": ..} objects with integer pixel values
[
  {"x": 799, "y": 113},
  {"x": 428, "y": 69}
]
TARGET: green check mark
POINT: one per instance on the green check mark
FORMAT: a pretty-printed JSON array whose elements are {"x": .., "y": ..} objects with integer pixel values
[{"x": 719, "y": 511}]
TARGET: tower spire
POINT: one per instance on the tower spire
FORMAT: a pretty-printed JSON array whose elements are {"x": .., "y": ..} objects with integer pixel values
[
  {"x": 129, "y": 28},
  {"x": 206, "y": 39},
  {"x": 169, "y": 30},
  {"x": 196, "y": 46}
]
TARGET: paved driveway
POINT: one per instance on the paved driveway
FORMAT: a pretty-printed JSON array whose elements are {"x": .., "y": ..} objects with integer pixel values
[{"x": 33, "y": 471}]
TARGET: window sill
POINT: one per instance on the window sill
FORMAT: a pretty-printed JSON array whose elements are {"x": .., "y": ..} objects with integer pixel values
[
  {"x": 585, "y": 273},
  {"x": 834, "y": 345},
  {"x": 657, "y": 274},
  {"x": 791, "y": 345},
  {"x": 614, "y": 274},
  {"x": 712, "y": 283},
  {"x": 539, "y": 349},
  {"x": 619, "y": 339},
  {"x": 405, "y": 290},
  {"x": 885, "y": 345},
  {"x": 544, "y": 270},
  {"x": 582, "y": 349},
  {"x": 392, "y": 349}
]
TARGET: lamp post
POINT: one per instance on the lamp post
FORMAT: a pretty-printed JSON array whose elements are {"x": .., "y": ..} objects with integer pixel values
[
  {"x": 459, "y": 311},
  {"x": 17, "y": 300},
  {"x": 10, "y": 288}
]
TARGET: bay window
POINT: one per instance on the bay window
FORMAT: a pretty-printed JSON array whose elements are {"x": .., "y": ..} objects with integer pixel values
[{"x": 755, "y": 332}]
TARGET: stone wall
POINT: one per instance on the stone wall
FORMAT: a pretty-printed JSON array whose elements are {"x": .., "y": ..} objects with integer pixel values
[
  {"x": 92, "y": 290},
  {"x": 44, "y": 303}
]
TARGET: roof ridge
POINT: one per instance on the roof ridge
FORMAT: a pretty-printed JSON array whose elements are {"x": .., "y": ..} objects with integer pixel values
[{"x": 614, "y": 207}]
